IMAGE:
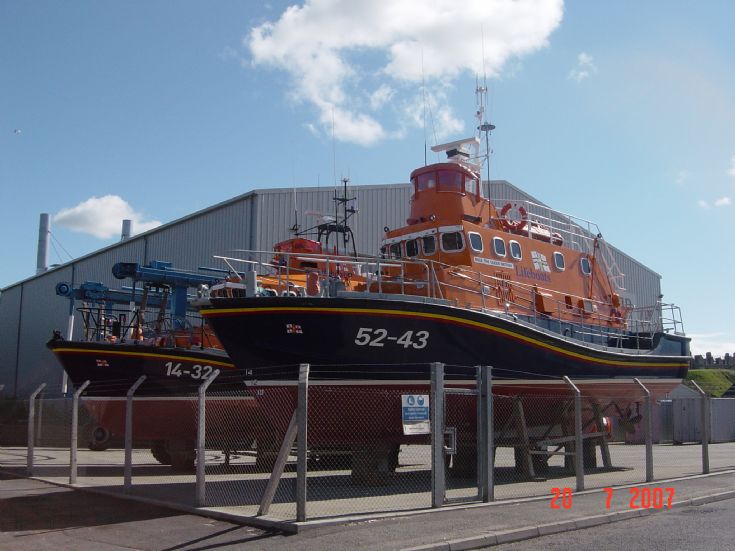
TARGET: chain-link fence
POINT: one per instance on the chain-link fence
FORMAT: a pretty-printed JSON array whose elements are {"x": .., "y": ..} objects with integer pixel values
[{"x": 306, "y": 442}]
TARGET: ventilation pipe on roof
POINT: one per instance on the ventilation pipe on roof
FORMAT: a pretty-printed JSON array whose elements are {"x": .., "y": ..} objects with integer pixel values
[
  {"x": 127, "y": 230},
  {"x": 43, "y": 233}
]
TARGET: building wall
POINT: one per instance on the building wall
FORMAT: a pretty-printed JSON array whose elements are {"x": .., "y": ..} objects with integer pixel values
[
  {"x": 42, "y": 312},
  {"x": 10, "y": 311},
  {"x": 192, "y": 243},
  {"x": 30, "y": 310},
  {"x": 377, "y": 207}
]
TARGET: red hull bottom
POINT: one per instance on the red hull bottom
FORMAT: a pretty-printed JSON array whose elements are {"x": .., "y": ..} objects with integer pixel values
[
  {"x": 228, "y": 418},
  {"x": 351, "y": 415}
]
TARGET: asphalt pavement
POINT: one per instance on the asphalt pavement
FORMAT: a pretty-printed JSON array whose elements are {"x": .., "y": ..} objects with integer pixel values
[
  {"x": 705, "y": 527},
  {"x": 37, "y": 515}
]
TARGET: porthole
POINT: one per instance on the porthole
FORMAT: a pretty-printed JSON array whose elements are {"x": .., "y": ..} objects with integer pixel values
[
  {"x": 584, "y": 264},
  {"x": 515, "y": 250},
  {"x": 475, "y": 241},
  {"x": 499, "y": 246},
  {"x": 559, "y": 261}
]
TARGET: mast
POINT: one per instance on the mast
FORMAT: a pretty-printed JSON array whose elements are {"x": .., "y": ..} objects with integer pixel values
[{"x": 483, "y": 124}]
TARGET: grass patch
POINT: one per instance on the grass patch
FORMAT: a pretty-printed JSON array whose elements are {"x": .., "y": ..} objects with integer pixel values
[{"x": 714, "y": 381}]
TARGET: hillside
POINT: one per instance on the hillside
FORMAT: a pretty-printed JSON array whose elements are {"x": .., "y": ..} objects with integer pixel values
[{"x": 714, "y": 381}]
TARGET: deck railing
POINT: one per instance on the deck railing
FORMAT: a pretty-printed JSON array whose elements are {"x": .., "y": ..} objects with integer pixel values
[{"x": 430, "y": 278}]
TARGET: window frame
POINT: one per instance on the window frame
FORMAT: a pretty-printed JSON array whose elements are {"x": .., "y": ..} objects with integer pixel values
[
  {"x": 559, "y": 254},
  {"x": 400, "y": 251},
  {"x": 497, "y": 239},
  {"x": 461, "y": 237},
  {"x": 418, "y": 247},
  {"x": 470, "y": 234},
  {"x": 474, "y": 183},
  {"x": 520, "y": 250},
  {"x": 584, "y": 260},
  {"x": 423, "y": 241},
  {"x": 444, "y": 188},
  {"x": 425, "y": 178}
]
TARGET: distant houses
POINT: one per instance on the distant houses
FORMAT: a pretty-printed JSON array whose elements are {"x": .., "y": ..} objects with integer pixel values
[{"x": 709, "y": 362}]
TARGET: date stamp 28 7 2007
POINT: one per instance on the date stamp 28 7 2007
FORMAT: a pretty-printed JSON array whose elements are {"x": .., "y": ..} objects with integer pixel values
[{"x": 640, "y": 498}]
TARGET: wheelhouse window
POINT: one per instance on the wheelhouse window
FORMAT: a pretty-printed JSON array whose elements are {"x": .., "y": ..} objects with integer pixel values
[
  {"x": 412, "y": 248},
  {"x": 394, "y": 251},
  {"x": 449, "y": 180},
  {"x": 425, "y": 181},
  {"x": 559, "y": 261},
  {"x": 584, "y": 264},
  {"x": 515, "y": 250},
  {"x": 475, "y": 241},
  {"x": 470, "y": 185},
  {"x": 452, "y": 242},
  {"x": 428, "y": 243},
  {"x": 499, "y": 246}
]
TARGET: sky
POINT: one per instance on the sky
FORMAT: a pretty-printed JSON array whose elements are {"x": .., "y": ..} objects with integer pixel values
[{"x": 622, "y": 113}]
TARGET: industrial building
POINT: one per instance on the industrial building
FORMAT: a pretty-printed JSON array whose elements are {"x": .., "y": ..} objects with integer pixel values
[{"x": 30, "y": 309}]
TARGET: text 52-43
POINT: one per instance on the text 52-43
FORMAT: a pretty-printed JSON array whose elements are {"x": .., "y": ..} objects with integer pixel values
[{"x": 367, "y": 336}]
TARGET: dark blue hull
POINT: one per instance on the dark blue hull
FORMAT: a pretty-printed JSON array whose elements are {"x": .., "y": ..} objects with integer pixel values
[{"x": 358, "y": 339}]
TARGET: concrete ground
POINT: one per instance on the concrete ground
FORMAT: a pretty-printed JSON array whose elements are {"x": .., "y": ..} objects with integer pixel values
[
  {"x": 236, "y": 489},
  {"x": 37, "y": 515}
]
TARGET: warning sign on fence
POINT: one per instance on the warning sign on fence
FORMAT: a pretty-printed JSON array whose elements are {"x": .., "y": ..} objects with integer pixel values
[{"x": 415, "y": 414}]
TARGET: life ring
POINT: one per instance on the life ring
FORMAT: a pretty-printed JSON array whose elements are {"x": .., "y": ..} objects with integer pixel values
[
  {"x": 616, "y": 316},
  {"x": 513, "y": 225}
]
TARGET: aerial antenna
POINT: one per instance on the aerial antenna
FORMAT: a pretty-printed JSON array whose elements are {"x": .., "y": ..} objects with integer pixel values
[
  {"x": 481, "y": 94},
  {"x": 334, "y": 153},
  {"x": 334, "y": 179},
  {"x": 423, "y": 93},
  {"x": 295, "y": 227}
]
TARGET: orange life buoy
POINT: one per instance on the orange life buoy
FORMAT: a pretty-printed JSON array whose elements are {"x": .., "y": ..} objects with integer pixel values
[
  {"x": 616, "y": 316},
  {"x": 513, "y": 225},
  {"x": 312, "y": 284}
]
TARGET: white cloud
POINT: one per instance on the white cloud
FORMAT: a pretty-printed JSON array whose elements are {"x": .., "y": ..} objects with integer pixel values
[
  {"x": 102, "y": 217},
  {"x": 331, "y": 48},
  {"x": 723, "y": 202},
  {"x": 440, "y": 119},
  {"x": 381, "y": 96},
  {"x": 682, "y": 176},
  {"x": 731, "y": 170},
  {"x": 717, "y": 343},
  {"x": 703, "y": 204},
  {"x": 585, "y": 67},
  {"x": 313, "y": 130}
]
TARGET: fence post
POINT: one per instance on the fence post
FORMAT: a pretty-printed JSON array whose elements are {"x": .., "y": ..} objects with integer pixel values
[
  {"x": 649, "y": 432},
  {"x": 438, "y": 482},
  {"x": 75, "y": 433},
  {"x": 201, "y": 496},
  {"x": 480, "y": 436},
  {"x": 578, "y": 447},
  {"x": 488, "y": 437},
  {"x": 32, "y": 428},
  {"x": 128, "y": 468},
  {"x": 705, "y": 428},
  {"x": 302, "y": 441}
]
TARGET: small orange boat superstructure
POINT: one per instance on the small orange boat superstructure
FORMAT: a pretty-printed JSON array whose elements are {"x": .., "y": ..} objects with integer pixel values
[{"x": 301, "y": 266}]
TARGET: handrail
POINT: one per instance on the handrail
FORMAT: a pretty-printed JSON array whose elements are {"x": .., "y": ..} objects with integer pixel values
[
  {"x": 577, "y": 234},
  {"x": 399, "y": 276},
  {"x": 96, "y": 328}
]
